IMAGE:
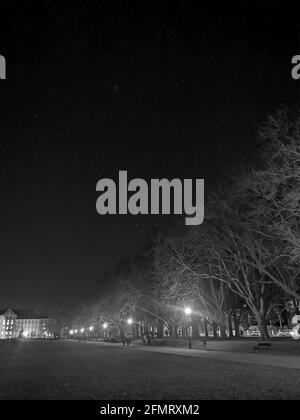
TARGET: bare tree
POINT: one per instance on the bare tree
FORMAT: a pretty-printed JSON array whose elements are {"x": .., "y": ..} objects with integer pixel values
[{"x": 272, "y": 194}]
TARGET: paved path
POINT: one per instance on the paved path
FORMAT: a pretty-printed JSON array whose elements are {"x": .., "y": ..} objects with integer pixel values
[{"x": 266, "y": 359}]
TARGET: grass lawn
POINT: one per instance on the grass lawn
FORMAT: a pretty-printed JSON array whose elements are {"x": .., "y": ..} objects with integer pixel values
[{"x": 71, "y": 370}]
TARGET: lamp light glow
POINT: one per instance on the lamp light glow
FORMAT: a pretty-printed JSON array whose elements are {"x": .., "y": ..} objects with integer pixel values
[{"x": 188, "y": 311}]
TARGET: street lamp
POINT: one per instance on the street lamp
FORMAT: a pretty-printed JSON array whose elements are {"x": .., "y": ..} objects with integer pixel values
[
  {"x": 188, "y": 312},
  {"x": 130, "y": 321},
  {"x": 82, "y": 330},
  {"x": 91, "y": 329},
  {"x": 105, "y": 328}
]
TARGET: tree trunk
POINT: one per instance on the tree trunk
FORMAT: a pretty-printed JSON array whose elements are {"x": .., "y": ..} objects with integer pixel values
[
  {"x": 236, "y": 325},
  {"x": 215, "y": 329},
  {"x": 261, "y": 317},
  {"x": 160, "y": 328},
  {"x": 137, "y": 331},
  {"x": 195, "y": 327},
  {"x": 173, "y": 330},
  {"x": 205, "y": 327},
  {"x": 262, "y": 326},
  {"x": 223, "y": 329},
  {"x": 230, "y": 324}
]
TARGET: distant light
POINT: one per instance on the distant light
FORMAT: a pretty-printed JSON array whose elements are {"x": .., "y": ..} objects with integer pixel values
[
  {"x": 105, "y": 326},
  {"x": 188, "y": 311},
  {"x": 25, "y": 334},
  {"x": 130, "y": 321},
  {"x": 82, "y": 330},
  {"x": 76, "y": 331},
  {"x": 91, "y": 328},
  {"x": 71, "y": 332}
]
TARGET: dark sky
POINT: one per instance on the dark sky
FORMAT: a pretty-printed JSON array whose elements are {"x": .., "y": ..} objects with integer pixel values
[{"x": 94, "y": 87}]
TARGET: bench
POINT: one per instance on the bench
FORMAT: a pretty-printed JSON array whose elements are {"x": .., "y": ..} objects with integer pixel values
[{"x": 262, "y": 346}]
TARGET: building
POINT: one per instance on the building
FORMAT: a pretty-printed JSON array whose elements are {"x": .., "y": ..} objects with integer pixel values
[
  {"x": 23, "y": 323},
  {"x": 296, "y": 320}
]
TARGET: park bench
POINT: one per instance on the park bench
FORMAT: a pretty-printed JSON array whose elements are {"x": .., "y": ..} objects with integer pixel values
[{"x": 262, "y": 346}]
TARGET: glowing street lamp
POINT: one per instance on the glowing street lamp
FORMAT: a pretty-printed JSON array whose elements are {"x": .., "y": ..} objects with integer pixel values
[
  {"x": 71, "y": 332},
  {"x": 91, "y": 329},
  {"x": 82, "y": 330},
  {"x": 105, "y": 328},
  {"x": 130, "y": 321},
  {"x": 188, "y": 312}
]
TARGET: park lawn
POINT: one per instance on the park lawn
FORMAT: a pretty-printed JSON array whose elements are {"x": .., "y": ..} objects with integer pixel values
[{"x": 70, "y": 370}]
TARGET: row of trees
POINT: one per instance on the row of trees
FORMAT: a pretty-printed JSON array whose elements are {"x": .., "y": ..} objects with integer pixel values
[{"x": 242, "y": 263}]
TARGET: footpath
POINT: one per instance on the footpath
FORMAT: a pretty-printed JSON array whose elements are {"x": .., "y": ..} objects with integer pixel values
[{"x": 265, "y": 359}]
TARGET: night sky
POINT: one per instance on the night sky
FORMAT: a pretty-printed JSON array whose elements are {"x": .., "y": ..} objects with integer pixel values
[{"x": 94, "y": 87}]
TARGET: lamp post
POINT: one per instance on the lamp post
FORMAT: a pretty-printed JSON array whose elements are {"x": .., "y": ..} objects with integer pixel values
[
  {"x": 91, "y": 329},
  {"x": 280, "y": 319},
  {"x": 188, "y": 312},
  {"x": 129, "y": 334},
  {"x": 105, "y": 328}
]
